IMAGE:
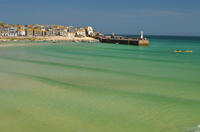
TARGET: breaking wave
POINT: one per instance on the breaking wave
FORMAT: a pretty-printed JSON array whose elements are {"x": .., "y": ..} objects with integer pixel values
[{"x": 195, "y": 129}]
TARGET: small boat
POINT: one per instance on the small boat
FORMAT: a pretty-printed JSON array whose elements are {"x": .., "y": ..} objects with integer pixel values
[
  {"x": 178, "y": 51},
  {"x": 188, "y": 51}
]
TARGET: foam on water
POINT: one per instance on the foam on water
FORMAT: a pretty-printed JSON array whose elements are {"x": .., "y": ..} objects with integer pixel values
[{"x": 195, "y": 129}]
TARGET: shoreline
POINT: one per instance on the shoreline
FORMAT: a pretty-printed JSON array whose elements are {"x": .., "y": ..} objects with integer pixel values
[
  {"x": 49, "y": 38},
  {"x": 52, "y": 39},
  {"x": 18, "y": 45}
]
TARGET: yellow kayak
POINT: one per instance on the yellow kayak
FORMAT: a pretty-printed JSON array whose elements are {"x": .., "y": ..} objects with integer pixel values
[
  {"x": 188, "y": 51},
  {"x": 178, "y": 51}
]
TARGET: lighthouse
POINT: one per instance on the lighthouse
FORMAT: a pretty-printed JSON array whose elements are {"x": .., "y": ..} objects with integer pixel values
[{"x": 142, "y": 35}]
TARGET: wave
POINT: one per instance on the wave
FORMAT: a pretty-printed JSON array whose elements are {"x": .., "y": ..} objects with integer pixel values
[{"x": 195, "y": 129}]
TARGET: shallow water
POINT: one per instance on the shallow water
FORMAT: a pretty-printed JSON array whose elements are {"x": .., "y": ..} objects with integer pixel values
[{"x": 82, "y": 87}]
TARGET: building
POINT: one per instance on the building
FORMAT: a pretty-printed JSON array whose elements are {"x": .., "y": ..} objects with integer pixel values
[
  {"x": 51, "y": 32},
  {"x": 65, "y": 31},
  {"x": 44, "y": 30},
  {"x": 21, "y": 32},
  {"x": 89, "y": 30},
  {"x": 29, "y": 32},
  {"x": 72, "y": 29},
  {"x": 70, "y": 34},
  {"x": 4, "y": 31},
  {"x": 12, "y": 32},
  {"x": 81, "y": 32},
  {"x": 37, "y": 32}
]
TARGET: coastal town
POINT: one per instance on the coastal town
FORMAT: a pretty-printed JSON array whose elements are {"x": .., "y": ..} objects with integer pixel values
[{"x": 37, "y": 31}]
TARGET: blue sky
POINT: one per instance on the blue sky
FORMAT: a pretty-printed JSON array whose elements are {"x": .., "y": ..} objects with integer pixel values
[{"x": 156, "y": 17}]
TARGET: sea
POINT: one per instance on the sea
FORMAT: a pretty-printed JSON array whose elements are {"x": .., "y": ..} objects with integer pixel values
[{"x": 95, "y": 87}]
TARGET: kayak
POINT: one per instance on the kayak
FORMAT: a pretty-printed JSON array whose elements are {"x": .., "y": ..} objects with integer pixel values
[
  {"x": 188, "y": 51},
  {"x": 178, "y": 51}
]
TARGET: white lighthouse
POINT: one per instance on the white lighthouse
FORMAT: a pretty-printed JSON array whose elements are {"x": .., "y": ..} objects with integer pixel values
[{"x": 142, "y": 35}]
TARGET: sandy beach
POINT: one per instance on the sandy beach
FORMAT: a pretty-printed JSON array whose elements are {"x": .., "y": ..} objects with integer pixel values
[
  {"x": 50, "y": 38},
  {"x": 19, "y": 44},
  {"x": 42, "y": 39},
  {"x": 61, "y": 38}
]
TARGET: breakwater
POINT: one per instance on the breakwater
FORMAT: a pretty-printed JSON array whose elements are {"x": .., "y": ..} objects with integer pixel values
[{"x": 126, "y": 41}]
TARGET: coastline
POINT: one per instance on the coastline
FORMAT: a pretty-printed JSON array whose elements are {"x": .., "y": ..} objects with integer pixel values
[
  {"x": 49, "y": 38},
  {"x": 17, "y": 45},
  {"x": 52, "y": 39}
]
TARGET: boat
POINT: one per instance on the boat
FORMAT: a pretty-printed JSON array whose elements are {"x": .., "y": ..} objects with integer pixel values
[
  {"x": 178, "y": 51},
  {"x": 188, "y": 51}
]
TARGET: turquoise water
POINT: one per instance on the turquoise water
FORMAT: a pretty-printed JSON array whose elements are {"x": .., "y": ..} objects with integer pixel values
[{"x": 93, "y": 87}]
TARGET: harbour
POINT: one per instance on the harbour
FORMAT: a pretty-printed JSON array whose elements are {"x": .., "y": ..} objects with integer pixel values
[{"x": 125, "y": 41}]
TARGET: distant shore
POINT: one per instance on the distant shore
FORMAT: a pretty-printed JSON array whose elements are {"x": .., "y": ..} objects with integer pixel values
[{"x": 49, "y": 38}]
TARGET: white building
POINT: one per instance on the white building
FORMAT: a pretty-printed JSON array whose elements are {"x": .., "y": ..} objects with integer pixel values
[
  {"x": 89, "y": 30},
  {"x": 21, "y": 32},
  {"x": 12, "y": 32},
  {"x": 81, "y": 32},
  {"x": 70, "y": 34}
]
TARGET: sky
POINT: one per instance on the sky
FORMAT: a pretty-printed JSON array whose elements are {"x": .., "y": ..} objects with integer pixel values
[{"x": 154, "y": 17}]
